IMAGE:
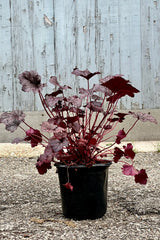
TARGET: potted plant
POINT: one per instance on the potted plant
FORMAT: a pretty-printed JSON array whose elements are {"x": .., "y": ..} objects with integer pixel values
[{"x": 78, "y": 124}]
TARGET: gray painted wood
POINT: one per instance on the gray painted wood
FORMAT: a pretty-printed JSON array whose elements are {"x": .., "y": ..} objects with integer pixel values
[{"x": 55, "y": 36}]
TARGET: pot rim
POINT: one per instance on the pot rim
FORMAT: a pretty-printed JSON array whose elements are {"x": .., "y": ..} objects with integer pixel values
[{"x": 107, "y": 164}]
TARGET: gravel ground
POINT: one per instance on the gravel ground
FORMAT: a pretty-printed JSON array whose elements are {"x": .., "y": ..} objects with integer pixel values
[{"x": 30, "y": 204}]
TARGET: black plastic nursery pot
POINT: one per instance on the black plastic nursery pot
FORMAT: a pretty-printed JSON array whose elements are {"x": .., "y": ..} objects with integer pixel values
[{"x": 88, "y": 200}]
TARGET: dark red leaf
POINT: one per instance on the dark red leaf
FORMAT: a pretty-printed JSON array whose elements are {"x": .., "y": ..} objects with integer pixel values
[
  {"x": 141, "y": 177},
  {"x": 129, "y": 153},
  {"x": 69, "y": 186},
  {"x": 118, "y": 153},
  {"x": 120, "y": 136},
  {"x": 117, "y": 83},
  {"x": 75, "y": 100},
  {"x": 72, "y": 119},
  {"x": 92, "y": 141},
  {"x": 54, "y": 94},
  {"x": 33, "y": 136},
  {"x": 43, "y": 163},
  {"x": 121, "y": 116},
  {"x": 107, "y": 127}
]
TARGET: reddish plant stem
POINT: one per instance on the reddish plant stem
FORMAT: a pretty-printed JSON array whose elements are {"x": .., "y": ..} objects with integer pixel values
[
  {"x": 97, "y": 114},
  {"x": 35, "y": 136},
  {"x": 22, "y": 128},
  {"x": 46, "y": 108},
  {"x": 132, "y": 127},
  {"x": 32, "y": 128},
  {"x": 102, "y": 132},
  {"x": 86, "y": 112}
]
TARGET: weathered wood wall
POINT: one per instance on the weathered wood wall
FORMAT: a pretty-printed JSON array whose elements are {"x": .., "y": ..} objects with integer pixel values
[{"x": 54, "y": 36}]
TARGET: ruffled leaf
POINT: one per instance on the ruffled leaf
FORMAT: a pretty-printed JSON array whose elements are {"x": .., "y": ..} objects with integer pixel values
[
  {"x": 33, "y": 136},
  {"x": 118, "y": 153},
  {"x": 128, "y": 151},
  {"x": 12, "y": 119},
  {"x": 129, "y": 170},
  {"x": 144, "y": 117},
  {"x": 53, "y": 80},
  {"x": 31, "y": 81},
  {"x": 121, "y": 134},
  {"x": 85, "y": 74},
  {"x": 141, "y": 177},
  {"x": 69, "y": 186}
]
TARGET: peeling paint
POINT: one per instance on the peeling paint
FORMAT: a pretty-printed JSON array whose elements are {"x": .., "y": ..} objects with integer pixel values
[
  {"x": 47, "y": 21},
  {"x": 84, "y": 29},
  {"x": 155, "y": 3}
]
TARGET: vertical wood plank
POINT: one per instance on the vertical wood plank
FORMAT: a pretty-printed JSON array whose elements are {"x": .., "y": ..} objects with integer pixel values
[
  {"x": 65, "y": 44},
  {"x": 43, "y": 43},
  {"x": 150, "y": 34},
  {"x": 130, "y": 48},
  {"x": 6, "y": 91},
  {"x": 22, "y": 49}
]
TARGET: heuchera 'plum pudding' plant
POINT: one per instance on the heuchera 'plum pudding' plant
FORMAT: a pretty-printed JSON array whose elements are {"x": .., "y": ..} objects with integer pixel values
[{"x": 78, "y": 124}]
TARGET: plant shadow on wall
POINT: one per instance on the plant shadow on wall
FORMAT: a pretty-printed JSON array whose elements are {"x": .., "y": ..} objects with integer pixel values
[{"x": 77, "y": 132}]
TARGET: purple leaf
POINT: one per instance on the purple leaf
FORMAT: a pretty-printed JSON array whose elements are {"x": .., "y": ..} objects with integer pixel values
[
  {"x": 48, "y": 126},
  {"x": 96, "y": 97},
  {"x": 12, "y": 119},
  {"x": 100, "y": 88},
  {"x": 118, "y": 153},
  {"x": 31, "y": 81},
  {"x": 79, "y": 112},
  {"x": 51, "y": 101},
  {"x": 144, "y": 117},
  {"x": 95, "y": 106},
  {"x": 85, "y": 93},
  {"x": 60, "y": 133},
  {"x": 75, "y": 100},
  {"x": 129, "y": 170},
  {"x": 57, "y": 144},
  {"x": 86, "y": 73},
  {"x": 53, "y": 80},
  {"x": 75, "y": 126},
  {"x": 17, "y": 140}
]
